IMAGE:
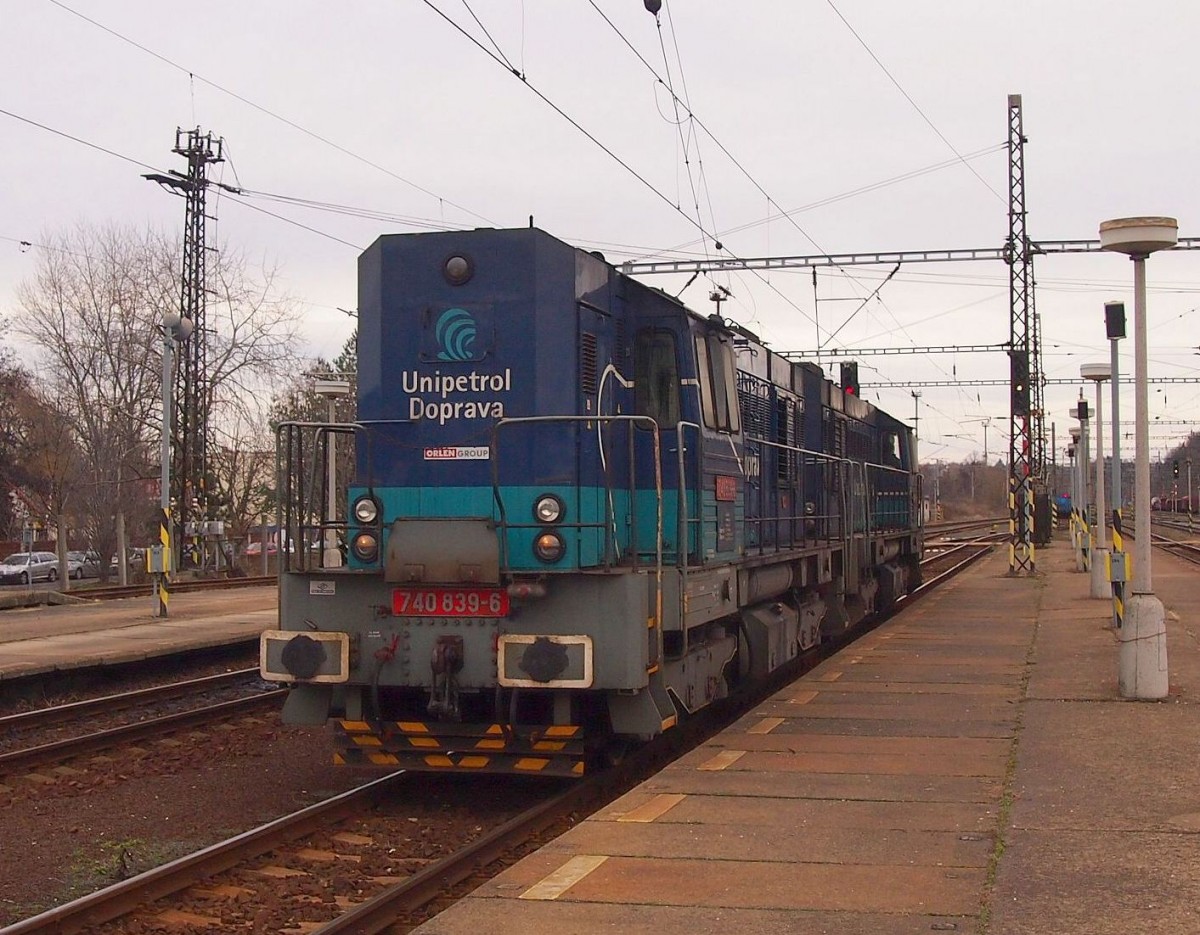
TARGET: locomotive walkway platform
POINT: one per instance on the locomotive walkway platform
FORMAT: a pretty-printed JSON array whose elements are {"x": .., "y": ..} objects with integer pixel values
[
  {"x": 48, "y": 639},
  {"x": 967, "y": 767}
]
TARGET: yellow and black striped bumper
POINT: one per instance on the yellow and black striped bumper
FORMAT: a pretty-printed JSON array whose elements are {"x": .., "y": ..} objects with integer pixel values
[{"x": 549, "y": 750}]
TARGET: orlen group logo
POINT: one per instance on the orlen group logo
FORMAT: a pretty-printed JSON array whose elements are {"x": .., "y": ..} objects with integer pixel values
[{"x": 455, "y": 332}]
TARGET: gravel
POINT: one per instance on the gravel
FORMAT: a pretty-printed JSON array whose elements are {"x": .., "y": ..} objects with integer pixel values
[{"x": 78, "y": 835}]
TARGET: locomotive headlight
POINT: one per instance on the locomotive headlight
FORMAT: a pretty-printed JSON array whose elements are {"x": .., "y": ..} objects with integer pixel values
[
  {"x": 366, "y": 510},
  {"x": 549, "y": 547},
  {"x": 458, "y": 269},
  {"x": 548, "y": 509},
  {"x": 365, "y": 547}
]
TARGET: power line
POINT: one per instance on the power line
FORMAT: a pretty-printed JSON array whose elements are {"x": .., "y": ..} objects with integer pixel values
[
  {"x": 908, "y": 98},
  {"x": 610, "y": 153},
  {"x": 270, "y": 113},
  {"x": 76, "y": 139},
  {"x": 167, "y": 174}
]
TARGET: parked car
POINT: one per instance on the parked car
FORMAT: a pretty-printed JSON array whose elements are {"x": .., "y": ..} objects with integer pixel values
[
  {"x": 83, "y": 564},
  {"x": 255, "y": 548},
  {"x": 27, "y": 567},
  {"x": 134, "y": 558}
]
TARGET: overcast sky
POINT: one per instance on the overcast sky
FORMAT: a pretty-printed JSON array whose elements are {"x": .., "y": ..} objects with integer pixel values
[{"x": 806, "y": 106}]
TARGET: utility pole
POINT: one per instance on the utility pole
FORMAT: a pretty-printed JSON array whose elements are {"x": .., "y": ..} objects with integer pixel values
[
  {"x": 193, "y": 386},
  {"x": 1021, "y": 556}
]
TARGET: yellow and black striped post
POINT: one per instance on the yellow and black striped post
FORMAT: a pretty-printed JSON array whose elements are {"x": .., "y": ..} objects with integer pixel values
[
  {"x": 162, "y": 572},
  {"x": 1118, "y": 569}
]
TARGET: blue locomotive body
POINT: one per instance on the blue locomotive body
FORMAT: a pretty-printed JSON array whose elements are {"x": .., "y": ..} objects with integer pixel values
[{"x": 579, "y": 509}]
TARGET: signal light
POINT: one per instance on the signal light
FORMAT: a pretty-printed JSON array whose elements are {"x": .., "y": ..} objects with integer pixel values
[
  {"x": 850, "y": 378},
  {"x": 1114, "y": 320},
  {"x": 1019, "y": 382},
  {"x": 1175, "y": 467}
]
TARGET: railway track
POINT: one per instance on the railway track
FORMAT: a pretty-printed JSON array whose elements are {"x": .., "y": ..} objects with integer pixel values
[
  {"x": 1188, "y": 550},
  {"x": 26, "y": 756},
  {"x": 285, "y": 849},
  {"x": 110, "y": 592},
  {"x": 946, "y": 529}
]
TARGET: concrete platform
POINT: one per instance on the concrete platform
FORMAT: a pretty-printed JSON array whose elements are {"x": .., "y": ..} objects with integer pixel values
[
  {"x": 57, "y": 638},
  {"x": 968, "y": 767}
]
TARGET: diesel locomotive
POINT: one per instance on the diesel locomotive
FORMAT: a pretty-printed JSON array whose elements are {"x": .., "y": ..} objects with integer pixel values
[{"x": 578, "y": 512}]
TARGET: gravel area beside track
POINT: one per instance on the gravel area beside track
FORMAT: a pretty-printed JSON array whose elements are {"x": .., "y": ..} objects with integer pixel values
[
  {"x": 64, "y": 844},
  {"x": 115, "y": 820}
]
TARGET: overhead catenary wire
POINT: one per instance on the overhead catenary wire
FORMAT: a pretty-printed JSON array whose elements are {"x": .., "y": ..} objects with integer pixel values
[
  {"x": 155, "y": 169},
  {"x": 745, "y": 172},
  {"x": 270, "y": 113},
  {"x": 608, "y": 151},
  {"x": 908, "y": 97}
]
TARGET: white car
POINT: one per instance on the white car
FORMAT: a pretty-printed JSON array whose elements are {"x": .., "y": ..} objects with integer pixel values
[{"x": 27, "y": 567}]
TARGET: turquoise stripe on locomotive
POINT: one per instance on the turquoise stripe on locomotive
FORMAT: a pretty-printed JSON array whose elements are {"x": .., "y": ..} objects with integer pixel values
[{"x": 578, "y": 510}]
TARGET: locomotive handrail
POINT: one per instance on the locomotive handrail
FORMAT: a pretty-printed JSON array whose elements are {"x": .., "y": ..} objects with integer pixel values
[
  {"x": 648, "y": 422},
  {"x": 286, "y": 497},
  {"x": 807, "y": 458},
  {"x": 683, "y": 533}
]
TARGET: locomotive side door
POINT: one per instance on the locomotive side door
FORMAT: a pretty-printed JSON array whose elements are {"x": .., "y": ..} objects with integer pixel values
[{"x": 722, "y": 469}]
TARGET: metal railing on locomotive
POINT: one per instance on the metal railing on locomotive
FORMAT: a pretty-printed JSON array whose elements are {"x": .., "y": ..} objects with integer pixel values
[
  {"x": 302, "y": 507},
  {"x": 611, "y": 547},
  {"x": 862, "y": 498}
]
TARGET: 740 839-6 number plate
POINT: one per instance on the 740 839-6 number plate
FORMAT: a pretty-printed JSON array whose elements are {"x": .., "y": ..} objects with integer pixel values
[{"x": 450, "y": 602}]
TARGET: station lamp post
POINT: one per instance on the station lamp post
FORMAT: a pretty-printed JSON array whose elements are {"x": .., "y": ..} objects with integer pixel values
[
  {"x": 1098, "y": 373},
  {"x": 1143, "y": 656},
  {"x": 1083, "y": 461},
  {"x": 332, "y": 391},
  {"x": 1075, "y": 451},
  {"x": 1189, "y": 494}
]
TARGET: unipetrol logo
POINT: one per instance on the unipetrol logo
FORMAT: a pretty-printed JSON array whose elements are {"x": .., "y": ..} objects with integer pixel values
[{"x": 455, "y": 334}]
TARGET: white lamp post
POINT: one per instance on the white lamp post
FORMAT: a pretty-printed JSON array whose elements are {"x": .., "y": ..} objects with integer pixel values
[
  {"x": 332, "y": 390},
  {"x": 1143, "y": 658},
  {"x": 1098, "y": 373},
  {"x": 1076, "y": 453}
]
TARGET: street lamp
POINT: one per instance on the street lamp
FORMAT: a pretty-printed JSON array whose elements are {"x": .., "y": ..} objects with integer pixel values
[
  {"x": 332, "y": 390},
  {"x": 1098, "y": 373},
  {"x": 1189, "y": 494},
  {"x": 1143, "y": 656},
  {"x": 1077, "y": 494},
  {"x": 174, "y": 328}
]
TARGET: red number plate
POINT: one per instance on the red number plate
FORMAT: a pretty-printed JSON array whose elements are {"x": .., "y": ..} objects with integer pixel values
[{"x": 450, "y": 602}]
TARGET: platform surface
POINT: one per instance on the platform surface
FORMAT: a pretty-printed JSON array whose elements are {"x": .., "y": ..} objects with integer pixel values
[
  {"x": 45, "y": 639},
  {"x": 967, "y": 767}
]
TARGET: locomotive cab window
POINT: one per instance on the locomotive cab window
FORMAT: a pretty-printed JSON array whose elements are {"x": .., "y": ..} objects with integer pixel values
[
  {"x": 891, "y": 449},
  {"x": 656, "y": 377},
  {"x": 718, "y": 382}
]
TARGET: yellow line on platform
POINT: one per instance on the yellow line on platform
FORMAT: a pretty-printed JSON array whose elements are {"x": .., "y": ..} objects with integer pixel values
[
  {"x": 562, "y": 879},
  {"x": 655, "y": 808},
  {"x": 722, "y": 760}
]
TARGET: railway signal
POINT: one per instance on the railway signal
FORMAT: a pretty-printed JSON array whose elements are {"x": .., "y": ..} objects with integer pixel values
[{"x": 849, "y": 379}]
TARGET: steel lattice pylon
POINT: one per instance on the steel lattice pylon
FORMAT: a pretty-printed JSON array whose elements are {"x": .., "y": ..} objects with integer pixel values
[
  {"x": 193, "y": 387},
  {"x": 1021, "y": 445}
]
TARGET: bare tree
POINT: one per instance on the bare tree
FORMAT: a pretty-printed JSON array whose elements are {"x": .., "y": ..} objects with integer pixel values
[{"x": 94, "y": 309}]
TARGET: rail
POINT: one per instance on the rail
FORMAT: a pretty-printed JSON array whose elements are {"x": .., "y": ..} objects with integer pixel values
[{"x": 152, "y": 728}]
